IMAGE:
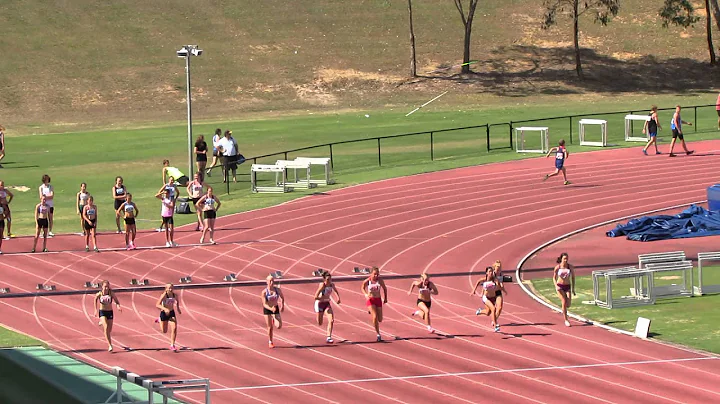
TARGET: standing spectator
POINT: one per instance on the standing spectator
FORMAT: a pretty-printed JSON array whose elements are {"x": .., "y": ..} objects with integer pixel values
[
  {"x": 81, "y": 200},
  {"x": 717, "y": 108},
  {"x": 89, "y": 215},
  {"x": 179, "y": 177},
  {"x": 167, "y": 212},
  {"x": 41, "y": 223},
  {"x": 5, "y": 198},
  {"x": 216, "y": 153},
  {"x": 228, "y": 147},
  {"x": 201, "y": 156},
  {"x": 118, "y": 192},
  {"x": 677, "y": 133},
  {"x": 46, "y": 190},
  {"x": 651, "y": 128},
  {"x": 2, "y": 137}
]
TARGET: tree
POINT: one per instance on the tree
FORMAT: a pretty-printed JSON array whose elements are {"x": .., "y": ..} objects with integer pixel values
[
  {"x": 682, "y": 14},
  {"x": 603, "y": 10},
  {"x": 467, "y": 20},
  {"x": 716, "y": 12},
  {"x": 413, "y": 60}
]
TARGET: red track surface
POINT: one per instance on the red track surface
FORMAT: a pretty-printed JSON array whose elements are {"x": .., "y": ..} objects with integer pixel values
[{"x": 455, "y": 220}]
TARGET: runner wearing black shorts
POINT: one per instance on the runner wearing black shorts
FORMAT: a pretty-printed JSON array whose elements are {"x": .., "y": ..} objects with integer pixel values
[{"x": 118, "y": 191}]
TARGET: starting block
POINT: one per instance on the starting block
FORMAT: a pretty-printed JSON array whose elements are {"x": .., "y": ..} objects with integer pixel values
[
  {"x": 4, "y": 290},
  {"x": 92, "y": 285},
  {"x": 276, "y": 274},
  {"x": 318, "y": 272},
  {"x": 230, "y": 278},
  {"x": 135, "y": 282},
  {"x": 186, "y": 279},
  {"x": 40, "y": 286},
  {"x": 358, "y": 270}
]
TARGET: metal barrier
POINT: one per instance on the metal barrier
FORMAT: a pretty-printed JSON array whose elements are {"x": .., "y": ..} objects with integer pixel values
[
  {"x": 637, "y": 297},
  {"x": 163, "y": 388},
  {"x": 702, "y": 287}
]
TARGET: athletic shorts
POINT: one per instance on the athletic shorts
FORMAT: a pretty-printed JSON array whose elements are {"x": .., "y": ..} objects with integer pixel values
[
  {"x": 492, "y": 300},
  {"x": 118, "y": 202},
  {"x": 562, "y": 287},
  {"x": 209, "y": 214},
  {"x": 427, "y": 304},
  {"x": 201, "y": 157},
  {"x": 43, "y": 223},
  {"x": 268, "y": 312},
  {"x": 129, "y": 220},
  {"x": 718, "y": 111},
  {"x": 194, "y": 201},
  {"x": 108, "y": 314},
  {"x": 168, "y": 220},
  {"x": 167, "y": 317},
  {"x": 91, "y": 225},
  {"x": 374, "y": 301},
  {"x": 559, "y": 164},
  {"x": 2, "y": 224},
  {"x": 652, "y": 134},
  {"x": 677, "y": 134},
  {"x": 216, "y": 153},
  {"x": 321, "y": 306},
  {"x": 51, "y": 210}
]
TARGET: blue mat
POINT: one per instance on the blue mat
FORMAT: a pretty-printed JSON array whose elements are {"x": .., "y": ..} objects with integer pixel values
[{"x": 694, "y": 221}]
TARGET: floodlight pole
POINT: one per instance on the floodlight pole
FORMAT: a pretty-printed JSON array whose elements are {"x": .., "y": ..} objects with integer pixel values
[{"x": 189, "y": 114}]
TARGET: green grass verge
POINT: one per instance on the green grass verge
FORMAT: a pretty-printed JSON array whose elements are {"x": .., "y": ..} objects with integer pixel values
[{"x": 687, "y": 321}]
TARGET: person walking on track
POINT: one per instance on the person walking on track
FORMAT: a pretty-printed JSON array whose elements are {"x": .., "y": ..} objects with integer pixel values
[
  {"x": 103, "y": 303},
  {"x": 677, "y": 133},
  {"x": 564, "y": 279},
  {"x": 561, "y": 154},
  {"x": 273, "y": 303}
]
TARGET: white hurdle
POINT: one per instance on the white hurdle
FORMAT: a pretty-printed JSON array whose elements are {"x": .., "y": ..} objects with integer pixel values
[
  {"x": 603, "y": 132},
  {"x": 520, "y": 139},
  {"x": 629, "y": 128},
  {"x": 164, "y": 388},
  {"x": 702, "y": 288},
  {"x": 280, "y": 186},
  {"x": 638, "y": 298},
  {"x": 296, "y": 165},
  {"x": 325, "y": 163}
]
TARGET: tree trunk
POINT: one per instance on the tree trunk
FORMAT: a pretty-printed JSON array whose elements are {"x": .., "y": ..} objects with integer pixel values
[
  {"x": 708, "y": 27},
  {"x": 413, "y": 60},
  {"x": 576, "y": 39},
  {"x": 715, "y": 11},
  {"x": 468, "y": 31}
]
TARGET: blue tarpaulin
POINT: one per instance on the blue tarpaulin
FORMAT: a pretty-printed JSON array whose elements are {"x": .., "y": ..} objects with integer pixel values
[{"x": 694, "y": 221}]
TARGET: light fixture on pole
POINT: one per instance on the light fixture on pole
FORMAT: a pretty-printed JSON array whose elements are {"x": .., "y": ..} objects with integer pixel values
[{"x": 186, "y": 52}]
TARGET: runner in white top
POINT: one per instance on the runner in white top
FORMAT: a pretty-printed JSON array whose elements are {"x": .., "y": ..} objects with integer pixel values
[
  {"x": 167, "y": 212},
  {"x": 426, "y": 288},
  {"x": 209, "y": 204},
  {"x": 167, "y": 303},
  {"x": 490, "y": 286},
  {"x": 104, "y": 299},
  {"x": 81, "y": 201},
  {"x": 195, "y": 192},
  {"x": 48, "y": 192},
  {"x": 216, "y": 153},
  {"x": 564, "y": 278},
  {"x": 371, "y": 288},
  {"x": 323, "y": 306},
  {"x": 271, "y": 298}
]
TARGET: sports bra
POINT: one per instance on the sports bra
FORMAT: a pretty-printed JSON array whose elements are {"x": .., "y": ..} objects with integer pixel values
[
  {"x": 105, "y": 299},
  {"x": 3, "y": 194},
  {"x": 489, "y": 285},
  {"x": 83, "y": 196},
  {"x": 424, "y": 287},
  {"x": 120, "y": 190},
  {"x": 42, "y": 209},
  {"x": 90, "y": 211},
  {"x": 210, "y": 203},
  {"x": 373, "y": 286},
  {"x": 168, "y": 301},
  {"x": 129, "y": 207},
  {"x": 271, "y": 297},
  {"x": 563, "y": 272},
  {"x": 327, "y": 290}
]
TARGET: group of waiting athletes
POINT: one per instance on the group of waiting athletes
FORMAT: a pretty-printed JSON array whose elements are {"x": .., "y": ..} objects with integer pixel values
[{"x": 373, "y": 288}]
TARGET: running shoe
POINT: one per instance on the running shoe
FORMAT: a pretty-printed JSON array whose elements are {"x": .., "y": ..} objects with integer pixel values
[
  {"x": 671, "y": 155},
  {"x": 568, "y": 182},
  {"x": 173, "y": 348},
  {"x": 690, "y": 152},
  {"x": 546, "y": 177},
  {"x": 329, "y": 340},
  {"x": 497, "y": 328},
  {"x": 379, "y": 338},
  {"x": 32, "y": 251},
  {"x": 87, "y": 249},
  {"x": 201, "y": 228},
  {"x": 478, "y": 312},
  {"x": 11, "y": 235},
  {"x": 658, "y": 152},
  {"x": 174, "y": 244},
  {"x": 96, "y": 249},
  {"x": 51, "y": 234},
  {"x": 159, "y": 229},
  {"x": 168, "y": 245},
  {"x": 110, "y": 348},
  {"x": 567, "y": 323},
  {"x": 157, "y": 320},
  {"x": 208, "y": 173},
  {"x": 45, "y": 250},
  {"x": 0, "y": 252},
  {"x": 202, "y": 240},
  {"x": 645, "y": 152},
  {"x": 133, "y": 246},
  {"x": 128, "y": 247},
  {"x": 119, "y": 231},
  {"x": 212, "y": 241},
  {"x": 271, "y": 345},
  {"x": 430, "y": 330},
  {"x": 6, "y": 238}
]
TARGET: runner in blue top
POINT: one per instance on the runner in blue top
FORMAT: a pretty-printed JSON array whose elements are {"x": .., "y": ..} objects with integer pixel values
[
  {"x": 677, "y": 133},
  {"x": 561, "y": 154},
  {"x": 651, "y": 128}
]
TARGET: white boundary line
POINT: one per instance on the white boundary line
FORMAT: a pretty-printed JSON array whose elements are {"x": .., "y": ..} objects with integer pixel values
[
  {"x": 456, "y": 374},
  {"x": 572, "y": 233}
]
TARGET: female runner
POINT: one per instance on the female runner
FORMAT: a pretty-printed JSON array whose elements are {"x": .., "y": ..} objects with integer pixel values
[
  {"x": 129, "y": 211},
  {"x": 5, "y": 198},
  {"x": 42, "y": 210},
  {"x": 48, "y": 191},
  {"x": 271, "y": 297},
  {"x": 167, "y": 212},
  {"x": 371, "y": 289},
  {"x": 105, "y": 297},
  {"x": 118, "y": 191},
  {"x": 426, "y": 288},
  {"x": 89, "y": 215},
  {"x": 564, "y": 270},
  {"x": 322, "y": 303},
  {"x": 490, "y": 285},
  {"x": 2, "y": 226},
  {"x": 201, "y": 155},
  {"x": 195, "y": 191},
  {"x": 80, "y": 202},
  {"x": 497, "y": 270},
  {"x": 209, "y": 204},
  {"x": 167, "y": 303}
]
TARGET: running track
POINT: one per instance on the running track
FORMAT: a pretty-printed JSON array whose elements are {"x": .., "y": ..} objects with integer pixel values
[{"x": 457, "y": 220}]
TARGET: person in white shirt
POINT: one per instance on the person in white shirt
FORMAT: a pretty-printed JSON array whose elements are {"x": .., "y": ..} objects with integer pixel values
[
  {"x": 228, "y": 147},
  {"x": 48, "y": 192},
  {"x": 216, "y": 152}
]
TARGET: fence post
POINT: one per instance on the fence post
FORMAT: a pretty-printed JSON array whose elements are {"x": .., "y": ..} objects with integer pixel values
[
  {"x": 487, "y": 136},
  {"x": 227, "y": 177},
  {"x": 332, "y": 165},
  {"x": 695, "y": 121},
  {"x": 511, "y": 129},
  {"x": 570, "y": 125},
  {"x": 379, "y": 159},
  {"x": 286, "y": 155},
  {"x": 432, "y": 155}
]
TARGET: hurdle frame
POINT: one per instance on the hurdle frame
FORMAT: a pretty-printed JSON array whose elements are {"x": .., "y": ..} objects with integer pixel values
[
  {"x": 645, "y": 297},
  {"x": 629, "y": 128},
  {"x": 674, "y": 290},
  {"x": 701, "y": 289},
  {"x": 544, "y": 139},
  {"x": 603, "y": 132},
  {"x": 295, "y": 165},
  {"x": 321, "y": 161},
  {"x": 281, "y": 185},
  {"x": 163, "y": 388}
]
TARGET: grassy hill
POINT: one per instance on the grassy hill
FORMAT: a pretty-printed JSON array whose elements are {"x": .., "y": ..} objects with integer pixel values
[{"x": 68, "y": 65}]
